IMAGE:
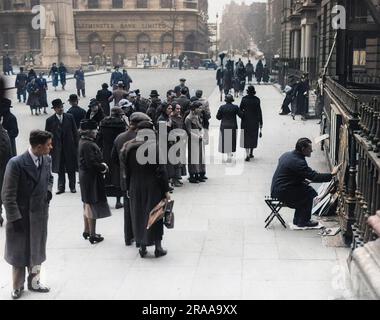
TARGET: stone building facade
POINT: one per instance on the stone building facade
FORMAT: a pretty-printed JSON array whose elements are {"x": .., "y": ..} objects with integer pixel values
[{"x": 120, "y": 29}]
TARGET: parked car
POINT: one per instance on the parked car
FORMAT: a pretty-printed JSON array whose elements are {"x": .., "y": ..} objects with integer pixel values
[{"x": 209, "y": 64}]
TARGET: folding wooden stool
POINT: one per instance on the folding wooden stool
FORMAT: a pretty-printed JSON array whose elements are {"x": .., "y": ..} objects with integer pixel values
[{"x": 275, "y": 205}]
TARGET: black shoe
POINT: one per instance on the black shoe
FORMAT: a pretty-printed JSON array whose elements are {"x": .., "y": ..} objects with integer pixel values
[
  {"x": 160, "y": 253},
  {"x": 119, "y": 205},
  {"x": 309, "y": 224},
  {"x": 248, "y": 159},
  {"x": 1, "y": 221},
  {"x": 203, "y": 176},
  {"x": 73, "y": 191},
  {"x": 128, "y": 243},
  {"x": 294, "y": 117},
  {"x": 193, "y": 180},
  {"x": 143, "y": 252},
  {"x": 199, "y": 179},
  {"x": 283, "y": 114},
  {"x": 86, "y": 235},
  {"x": 60, "y": 192},
  {"x": 40, "y": 288},
  {"x": 96, "y": 239},
  {"x": 16, "y": 294},
  {"x": 177, "y": 184},
  {"x": 251, "y": 156}
]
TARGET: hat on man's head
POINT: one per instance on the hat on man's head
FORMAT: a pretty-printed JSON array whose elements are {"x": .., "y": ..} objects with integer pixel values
[
  {"x": 73, "y": 97},
  {"x": 57, "y": 103},
  {"x": 145, "y": 125},
  {"x": 5, "y": 103},
  {"x": 154, "y": 93},
  {"x": 124, "y": 103},
  {"x": 88, "y": 124},
  {"x": 93, "y": 103},
  {"x": 132, "y": 94},
  {"x": 138, "y": 117},
  {"x": 138, "y": 93},
  {"x": 251, "y": 90},
  {"x": 182, "y": 80},
  {"x": 229, "y": 98}
]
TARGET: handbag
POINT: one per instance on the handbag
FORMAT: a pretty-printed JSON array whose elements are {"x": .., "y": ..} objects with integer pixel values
[
  {"x": 169, "y": 215},
  {"x": 157, "y": 213}
]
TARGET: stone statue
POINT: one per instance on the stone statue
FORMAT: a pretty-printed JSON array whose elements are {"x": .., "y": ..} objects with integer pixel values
[{"x": 50, "y": 23}]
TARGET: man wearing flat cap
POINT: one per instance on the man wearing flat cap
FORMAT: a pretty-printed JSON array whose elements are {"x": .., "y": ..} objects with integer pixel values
[
  {"x": 9, "y": 122},
  {"x": 119, "y": 142},
  {"x": 182, "y": 85},
  {"x": 65, "y": 146}
]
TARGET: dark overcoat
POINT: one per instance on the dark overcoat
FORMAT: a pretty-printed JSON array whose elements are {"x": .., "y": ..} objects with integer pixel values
[
  {"x": 109, "y": 129},
  {"x": 25, "y": 197},
  {"x": 252, "y": 120},
  {"x": 65, "y": 142},
  {"x": 259, "y": 71},
  {"x": 147, "y": 185},
  {"x": 228, "y": 114},
  {"x": 10, "y": 124},
  {"x": 103, "y": 97},
  {"x": 5, "y": 154},
  {"x": 91, "y": 166},
  {"x": 78, "y": 113},
  {"x": 196, "y": 147},
  {"x": 228, "y": 76}
]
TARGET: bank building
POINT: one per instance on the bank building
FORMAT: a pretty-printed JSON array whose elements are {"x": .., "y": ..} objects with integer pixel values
[{"x": 96, "y": 31}]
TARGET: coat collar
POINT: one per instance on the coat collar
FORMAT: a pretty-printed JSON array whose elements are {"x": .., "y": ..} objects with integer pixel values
[{"x": 29, "y": 166}]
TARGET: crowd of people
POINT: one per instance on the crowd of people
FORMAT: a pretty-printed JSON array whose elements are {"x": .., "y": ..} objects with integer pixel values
[{"x": 236, "y": 75}]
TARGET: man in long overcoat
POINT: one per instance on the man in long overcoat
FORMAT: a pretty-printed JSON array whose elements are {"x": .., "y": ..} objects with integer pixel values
[
  {"x": 5, "y": 155},
  {"x": 9, "y": 122},
  {"x": 252, "y": 120},
  {"x": 259, "y": 71},
  {"x": 20, "y": 84},
  {"x": 26, "y": 195},
  {"x": 65, "y": 142},
  {"x": 182, "y": 85}
]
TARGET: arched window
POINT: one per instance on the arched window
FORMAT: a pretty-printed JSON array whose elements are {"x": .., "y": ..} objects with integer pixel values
[
  {"x": 119, "y": 49},
  {"x": 167, "y": 43},
  {"x": 190, "y": 43},
  {"x": 143, "y": 43},
  {"x": 95, "y": 44}
]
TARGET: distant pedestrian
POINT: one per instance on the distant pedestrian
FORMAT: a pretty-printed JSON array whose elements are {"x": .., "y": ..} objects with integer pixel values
[
  {"x": 42, "y": 91},
  {"x": 127, "y": 80},
  {"x": 21, "y": 83},
  {"x": 266, "y": 74},
  {"x": 54, "y": 73},
  {"x": 252, "y": 122},
  {"x": 118, "y": 94},
  {"x": 31, "y": 75},
  {"x": 62, "y": 71},
  {"x": 65, "y": 142},
  {"x": 9, "y": 122},
  {"x": 33, "y": 97},
  {"x": 228, "y": 114},
  {"x": 76, "y": 111},
  {"x": 250, "y": 70},
  {"x": 26, "y": 195},
  {"x": 7, "y": 65},
  {"x": 91, "y": 177},
  {"x": 103, "y": 96},
  {"x": 116, "y": 77},
  {"x": 259, "y": 71},
  {"x": 181, "y": 86},
  {"x": 80, "y": 82}
]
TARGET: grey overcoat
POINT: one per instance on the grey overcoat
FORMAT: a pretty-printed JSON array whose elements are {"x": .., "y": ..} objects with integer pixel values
[{"x": 25, "y": 197}]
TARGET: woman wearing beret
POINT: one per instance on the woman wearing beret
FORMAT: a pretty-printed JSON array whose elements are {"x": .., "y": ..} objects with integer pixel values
[{"x": 91, "y": 174}]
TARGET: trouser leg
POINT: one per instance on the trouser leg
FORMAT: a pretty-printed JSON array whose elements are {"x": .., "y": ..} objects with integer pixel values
[
  {"x": 18, "y": 275},
  {"x": 128, "y": 231},
  {"x": 72, "y": 180},
  {"x": 303, "y": 210},
  {"x": 61, "y": 176}
]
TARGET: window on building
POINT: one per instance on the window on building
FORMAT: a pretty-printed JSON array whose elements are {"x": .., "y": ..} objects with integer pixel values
[
  {"x": 117, "y": 4},
  {"x": 8, "y": 39},
  {"x": 166, "y": 4},
  {"x": 142, "y": 4},
  {"x": 34, "y": 3},
  {"x": 143, "y": 44},
  {"x": 7, "y": 4},
  {"x": 35, "y": 43},
  {"x": 191, "y": 4},
  {"x": 93, "y": 4},
  {"x": 360, "y": 52}
]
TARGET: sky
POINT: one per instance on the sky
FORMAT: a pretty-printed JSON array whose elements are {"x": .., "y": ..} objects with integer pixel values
[{"x": 216, "y": 6}]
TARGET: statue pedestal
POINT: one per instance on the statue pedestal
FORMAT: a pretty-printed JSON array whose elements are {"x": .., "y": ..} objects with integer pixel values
[{"x": 49, "y": 51}]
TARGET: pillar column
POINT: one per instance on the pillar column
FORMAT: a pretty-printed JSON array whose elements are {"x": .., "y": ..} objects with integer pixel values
[
  {"x": 297, "y": 43},
  {"x": 308, "y": 41}
]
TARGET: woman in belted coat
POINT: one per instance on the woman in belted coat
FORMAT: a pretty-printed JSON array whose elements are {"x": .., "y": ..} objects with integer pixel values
[
  {"x": 252, "y": 121},
  {"x": 228, "y": 114},
  {"x": 92, "y": 169}
]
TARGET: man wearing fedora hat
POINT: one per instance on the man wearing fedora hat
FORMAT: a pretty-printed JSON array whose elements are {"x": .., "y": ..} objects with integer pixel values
[
  {"x": 76, "y": 111},
  {"x": 65, "y": 142},
  {"x": 9, "y": 122},
  {"x": 182, "y": 85}
]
